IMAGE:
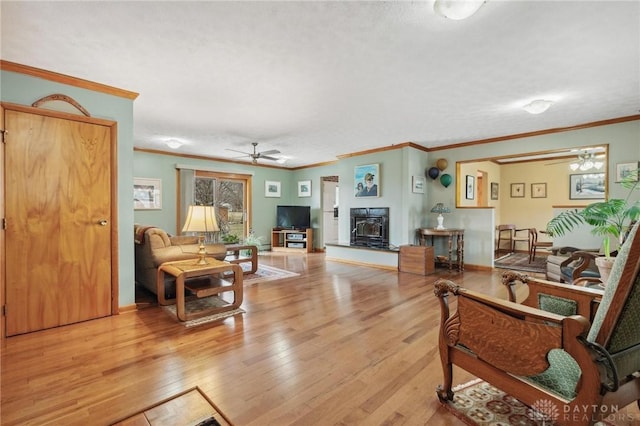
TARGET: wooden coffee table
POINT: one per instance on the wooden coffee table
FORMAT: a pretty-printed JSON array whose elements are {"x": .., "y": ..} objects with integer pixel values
[{"x": 217, "y": 277}]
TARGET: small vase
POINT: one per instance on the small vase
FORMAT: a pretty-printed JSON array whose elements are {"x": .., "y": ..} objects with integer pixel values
[{"x": 604, "y": 265}]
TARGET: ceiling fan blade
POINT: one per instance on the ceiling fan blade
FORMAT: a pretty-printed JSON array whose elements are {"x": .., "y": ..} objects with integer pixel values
[
  {"x": 235, "y": 150},
  {"x": 270, "y": 152},
  {"x": 560, "y": 162}
]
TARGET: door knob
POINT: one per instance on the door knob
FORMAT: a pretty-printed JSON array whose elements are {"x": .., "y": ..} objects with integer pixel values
[{"x": 103, "y": 222}]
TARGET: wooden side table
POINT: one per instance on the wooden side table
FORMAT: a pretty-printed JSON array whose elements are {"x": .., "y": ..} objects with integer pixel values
[
  {"x": 452, "y": 235},
  {"x": 216, "y": 282},
  {"x": 234, "y": 256}
]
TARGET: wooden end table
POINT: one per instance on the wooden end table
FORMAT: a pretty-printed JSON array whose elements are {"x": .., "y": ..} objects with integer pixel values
[
  {"x": 234, "y": 256},
  {"x": 452, "y": 235},
  {"x": 218, "y": 274}
]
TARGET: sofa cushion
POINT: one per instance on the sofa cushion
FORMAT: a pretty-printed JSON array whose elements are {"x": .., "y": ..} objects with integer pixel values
[
  {"x": 157, "y": 238},
  {"x": 183, "y": 239},
  {"x": 185, "y": 252}
]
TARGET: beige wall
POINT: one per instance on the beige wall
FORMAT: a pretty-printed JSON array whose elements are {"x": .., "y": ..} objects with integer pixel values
[{"x": 491, "y": 170}]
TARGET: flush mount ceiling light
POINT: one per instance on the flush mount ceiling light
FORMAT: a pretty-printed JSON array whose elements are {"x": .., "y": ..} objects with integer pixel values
[
  {"x": 538, "y": 106},
  {"x": 174, "y": 143},
  {"x": 457, "y": 9}
]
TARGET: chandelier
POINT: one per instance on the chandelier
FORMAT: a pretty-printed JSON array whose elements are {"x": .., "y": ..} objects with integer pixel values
[{"x": 586, "y": 161}]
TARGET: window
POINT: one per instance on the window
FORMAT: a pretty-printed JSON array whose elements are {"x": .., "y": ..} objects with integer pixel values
[{"x": 229, "y": 193}]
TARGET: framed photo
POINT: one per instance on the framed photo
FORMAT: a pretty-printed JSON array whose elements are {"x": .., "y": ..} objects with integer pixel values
[
  {"x": 367, "y": 180},
  {"x": 272, "y": 188},
  {"x": 538, "y": 190},
  {"x": 494, "y": 190},
  {"x": 625, "y": 169},
  {"x": 417, "y": 184},
  {"x": 304, "y": 188},
  {"x": 470, "y": 187},
  {"x": 587, "y": 186},
  {"x": 147, "y": 194},
  {"x": 517, "y": 190}
]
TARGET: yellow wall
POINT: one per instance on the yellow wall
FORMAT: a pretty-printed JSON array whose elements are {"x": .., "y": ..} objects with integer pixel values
[{"x": 524, "y": 212}]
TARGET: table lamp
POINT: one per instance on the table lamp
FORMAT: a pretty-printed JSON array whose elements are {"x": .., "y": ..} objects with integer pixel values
[
  {"x": 201, "y": 219},
  {"x": 440, "y": 208}
]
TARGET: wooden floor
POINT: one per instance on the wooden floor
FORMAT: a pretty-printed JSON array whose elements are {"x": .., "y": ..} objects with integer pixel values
[{"x": 340, "y": 344}]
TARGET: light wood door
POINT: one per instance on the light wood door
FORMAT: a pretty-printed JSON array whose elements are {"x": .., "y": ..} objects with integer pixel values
[{"x": 58, "y": 221}]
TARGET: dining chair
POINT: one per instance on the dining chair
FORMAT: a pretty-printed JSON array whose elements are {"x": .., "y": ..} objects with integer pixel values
[
  {"x": 534, "y": 244},
  {"x": 505, "y": 233},
  {"x": 522, "y": 235}
]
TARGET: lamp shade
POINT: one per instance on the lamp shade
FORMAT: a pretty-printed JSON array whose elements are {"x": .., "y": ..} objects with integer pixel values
[
  {"x": 201, "y": 219},
  {"x": 440, "y": 208}
]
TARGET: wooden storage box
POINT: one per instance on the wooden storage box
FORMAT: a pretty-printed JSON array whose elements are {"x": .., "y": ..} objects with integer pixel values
[{"x": 416, "y": 260}]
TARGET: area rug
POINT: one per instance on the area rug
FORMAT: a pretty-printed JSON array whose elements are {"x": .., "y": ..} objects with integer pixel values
[
  {"x": 195, "y": 305},
  {"x": 479, "y": 403},
  {"x": 520, "y": 262},
  {"x": 265, "y": 273}
]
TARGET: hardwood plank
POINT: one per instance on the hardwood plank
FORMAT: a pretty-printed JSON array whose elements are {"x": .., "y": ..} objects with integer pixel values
[{"x": 339, "y": 344}]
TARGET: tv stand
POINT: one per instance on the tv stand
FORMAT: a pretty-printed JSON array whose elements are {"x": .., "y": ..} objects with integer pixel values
[{"x": 292, "y": 240}]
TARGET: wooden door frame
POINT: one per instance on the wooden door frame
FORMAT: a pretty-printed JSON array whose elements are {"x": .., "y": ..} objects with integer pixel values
[{"x": 113, "y": 129}]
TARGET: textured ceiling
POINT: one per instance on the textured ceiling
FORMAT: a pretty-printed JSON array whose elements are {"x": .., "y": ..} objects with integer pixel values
[{"x": 316, "y": 80}]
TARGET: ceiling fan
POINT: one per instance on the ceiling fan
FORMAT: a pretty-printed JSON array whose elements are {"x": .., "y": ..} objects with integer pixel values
[
  {"x": 584, "y": 161},
  {"x": 255, "y": 155}
]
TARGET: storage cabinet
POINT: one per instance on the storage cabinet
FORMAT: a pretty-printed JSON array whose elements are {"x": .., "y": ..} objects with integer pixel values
[
  {"x": 416, "y": 260},
  {"x": 292, "y": 240}
]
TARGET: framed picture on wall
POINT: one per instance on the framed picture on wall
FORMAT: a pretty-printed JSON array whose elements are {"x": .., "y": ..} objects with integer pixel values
[
  {"x": 470, "y": 182},
  {"x": 587, "y": 186},
  {"x": 271, "y": 188},
  {"x": 625, "y": 169},
  {"x": 367, "y": 180},
  {"x": 538, "y": 190},
  {"x": 517, "y": 190},
  {"x": 304, "y": 188},
  {"x": 147, "y": 194},
  {"x": 494, "y": 190},
  {"x": 417, "y": 184}
]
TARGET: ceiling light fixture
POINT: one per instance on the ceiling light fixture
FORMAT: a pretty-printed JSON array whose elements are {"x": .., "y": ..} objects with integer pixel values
[
  {"x": 174, "y": 143},
  {"x": 538, "y": 106},
  {"x": 457, "y": 9},
  {"x": 586, "y": 161}
]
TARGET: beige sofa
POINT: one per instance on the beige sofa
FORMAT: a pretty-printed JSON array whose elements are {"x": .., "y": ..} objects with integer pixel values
[{"x": 153, "y": 247}]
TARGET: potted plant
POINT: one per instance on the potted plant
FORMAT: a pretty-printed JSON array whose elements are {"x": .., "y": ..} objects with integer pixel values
[
  {"x": 252, "y": 240},
  {"x": 230, "y": 239},
  {"x": 608, "y": 218}
]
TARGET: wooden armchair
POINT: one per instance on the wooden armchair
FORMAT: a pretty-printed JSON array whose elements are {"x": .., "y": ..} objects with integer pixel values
[
  {"x": 569, "y": 352},
  {"x": 580, "y": 264}
]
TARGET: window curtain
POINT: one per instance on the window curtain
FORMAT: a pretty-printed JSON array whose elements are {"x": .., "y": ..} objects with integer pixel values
[{"x": 187, "y": 183}]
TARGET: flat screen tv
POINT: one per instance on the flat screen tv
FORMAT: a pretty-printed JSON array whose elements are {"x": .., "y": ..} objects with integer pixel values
[{"x": 293, "y": 217}]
